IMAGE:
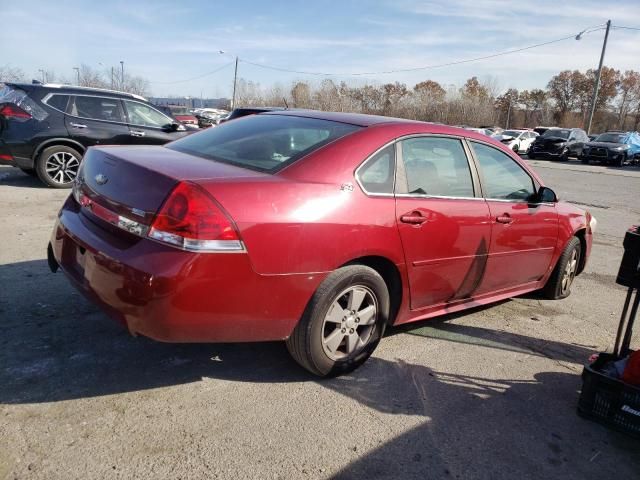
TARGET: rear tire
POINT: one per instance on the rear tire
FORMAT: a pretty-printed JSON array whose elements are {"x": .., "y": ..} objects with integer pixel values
[
  {"x": 57, "y": 166},
  {"x": 559, "y": 284},
  {"x": 343, "y": 322}
]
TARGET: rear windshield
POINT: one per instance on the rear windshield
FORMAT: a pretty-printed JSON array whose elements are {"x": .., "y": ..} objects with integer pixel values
[
  {"x": 611, "y": 137},
  {"x": 557, "y": 133},
  {"x": 265, "y": 143}
]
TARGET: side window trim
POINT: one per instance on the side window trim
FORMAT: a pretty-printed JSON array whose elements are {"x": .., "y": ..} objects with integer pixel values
[
  {"x": 536, "y": 184},
  {"x": 402, "y": 189},
  {"x": 370, "y": 158},
  {"x": 72, "y": 101},
  {"x": 126, "y": 114}
]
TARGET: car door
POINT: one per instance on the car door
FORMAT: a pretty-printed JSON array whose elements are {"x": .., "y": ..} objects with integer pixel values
[
  {"x": 524, "y": 232},
  {"x": 148, "y": 126},
  {"x": 443, "y": 222},
  {"x": 94, "y": 120}
]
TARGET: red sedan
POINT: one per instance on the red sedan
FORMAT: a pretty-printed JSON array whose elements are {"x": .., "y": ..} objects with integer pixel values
[{"x": 320, "y": 229}]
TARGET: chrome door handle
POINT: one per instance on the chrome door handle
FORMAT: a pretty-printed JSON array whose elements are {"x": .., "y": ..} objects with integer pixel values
[
  {"x": 506, "y": 218},
  {"x": 137, "y": 133},
  {"x": 77, "y": 125}
]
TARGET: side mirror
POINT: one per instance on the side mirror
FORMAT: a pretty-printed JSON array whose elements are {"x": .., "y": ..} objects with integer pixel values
[{"x": 546, "y": 195}]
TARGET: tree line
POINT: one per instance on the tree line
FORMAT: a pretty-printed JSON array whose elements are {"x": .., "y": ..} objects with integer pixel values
[{"x": 566, "y": 100}]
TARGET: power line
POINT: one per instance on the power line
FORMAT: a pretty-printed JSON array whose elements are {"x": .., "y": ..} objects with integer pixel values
[
  {"x": 426, "y": 67},
  {"x": 625, "y": 28},
  {"x": 199, "y": 76}
]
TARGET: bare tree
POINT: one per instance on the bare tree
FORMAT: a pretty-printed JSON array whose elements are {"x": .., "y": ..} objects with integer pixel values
[{"x": 11, "y": 74}]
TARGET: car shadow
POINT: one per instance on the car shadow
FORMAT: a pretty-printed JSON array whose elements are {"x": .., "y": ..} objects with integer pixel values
[
  {"x": 57, "y": 346},
  {"x": 14, "y": 177}
]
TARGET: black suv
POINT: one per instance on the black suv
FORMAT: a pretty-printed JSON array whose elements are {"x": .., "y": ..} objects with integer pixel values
[
  {"x": 45, "y": 129},
  {"x": 559, "y": 143}
]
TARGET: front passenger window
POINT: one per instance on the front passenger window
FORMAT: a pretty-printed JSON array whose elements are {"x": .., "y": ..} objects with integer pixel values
[
  {"x": 502, "y": 177},
  {"x": 141, "y": 114}
]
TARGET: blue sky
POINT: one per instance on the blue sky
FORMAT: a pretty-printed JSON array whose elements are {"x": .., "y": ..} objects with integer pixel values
[{"x": 169, "y": 41}]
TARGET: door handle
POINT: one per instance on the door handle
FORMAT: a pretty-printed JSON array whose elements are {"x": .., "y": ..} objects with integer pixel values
[
  {"x": 505, "y": 218},
  {"x": 413, "y": 218},
  {"x": 137, "y": 133},
  {"x": 77, "y": 125}
]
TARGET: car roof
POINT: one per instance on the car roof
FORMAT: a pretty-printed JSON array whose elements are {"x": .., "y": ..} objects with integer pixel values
[
  {"x": 74, "y": 88},
  {"x": 359, "y": 119}
]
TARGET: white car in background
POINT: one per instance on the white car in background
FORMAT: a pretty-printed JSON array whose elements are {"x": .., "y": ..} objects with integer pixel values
[{"x": 517, "y": 140}]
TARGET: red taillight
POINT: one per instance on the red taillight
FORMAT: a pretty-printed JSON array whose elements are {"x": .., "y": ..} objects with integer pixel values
[
  {"x": 5, "y": 158},
  {"x": 190, "y": 219},
  {"x": 13, "y": 111}
]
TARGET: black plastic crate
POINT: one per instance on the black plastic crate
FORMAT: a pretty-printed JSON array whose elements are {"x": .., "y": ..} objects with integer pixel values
[{"x": 608, "y": 400}]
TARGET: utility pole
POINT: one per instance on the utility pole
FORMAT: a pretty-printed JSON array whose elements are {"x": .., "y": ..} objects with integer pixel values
[
  {"x": 111, "y": 78},
  {"x": 42, "y": 72},
  {"x": 235, "y": 80},
  {"x": 77, "y": 75},
  {"x": 596, "y": 87},
  {"x": 508, "y": 114},
  {"x": 121, "y": 75}
]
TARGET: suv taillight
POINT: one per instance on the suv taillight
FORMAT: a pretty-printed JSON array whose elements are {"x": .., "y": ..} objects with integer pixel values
[
  {"x": 13, "y": 111},
  {"x": 192, "y": 220}
]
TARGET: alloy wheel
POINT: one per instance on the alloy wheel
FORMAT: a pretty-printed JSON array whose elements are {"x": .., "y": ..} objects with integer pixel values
[
  {"x": 349, "y": 322},
  {"x": 62, "y": 167}
]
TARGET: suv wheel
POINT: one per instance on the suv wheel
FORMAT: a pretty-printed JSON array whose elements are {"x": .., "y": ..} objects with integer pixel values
[{"x": 57, "y": 166}]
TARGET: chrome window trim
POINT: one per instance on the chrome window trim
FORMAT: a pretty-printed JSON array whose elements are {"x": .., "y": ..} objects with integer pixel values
[
  {"x": 366, "y": 160},
  {"x": 439, "y": 197}
]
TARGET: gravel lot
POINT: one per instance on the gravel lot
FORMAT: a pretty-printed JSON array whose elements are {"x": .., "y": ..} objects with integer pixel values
[{"x": 487, "y": 394}]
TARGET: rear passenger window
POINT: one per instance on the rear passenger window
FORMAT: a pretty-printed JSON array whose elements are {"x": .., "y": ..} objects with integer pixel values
[
  {"x": 502, "y": 177},
  {"x": 436, "y": 166},
  {"x": 59, "y": 102},
  {"x": 377, "y": 174},
  {"x": 98, "y": 108}
]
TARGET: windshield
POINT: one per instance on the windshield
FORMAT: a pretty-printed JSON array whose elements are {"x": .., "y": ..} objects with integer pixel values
[
  {"x": 611, "y": 137},
  {"x": 265, "y": 143},
  {"x": 557, "y": 132}
]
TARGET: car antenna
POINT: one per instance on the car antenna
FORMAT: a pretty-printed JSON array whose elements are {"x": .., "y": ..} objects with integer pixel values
[{"x": 286, "y": 105}]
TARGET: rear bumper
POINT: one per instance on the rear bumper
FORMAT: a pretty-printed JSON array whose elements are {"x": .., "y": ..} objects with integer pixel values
[{"x": 176, "y": 296}]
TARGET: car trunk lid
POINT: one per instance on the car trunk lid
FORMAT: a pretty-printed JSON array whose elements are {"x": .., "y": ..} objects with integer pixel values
[{"x": 133, "y": 182}]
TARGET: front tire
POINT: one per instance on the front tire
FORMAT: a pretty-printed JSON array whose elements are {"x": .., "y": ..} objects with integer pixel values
[
  {"x": 559, "y": 284},
  {"x": 343, "y": 322},
  {"x": 57, "y": 166}
]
